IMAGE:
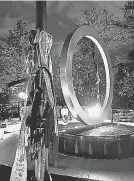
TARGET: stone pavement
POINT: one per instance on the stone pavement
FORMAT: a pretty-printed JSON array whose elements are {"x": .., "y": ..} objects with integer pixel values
[
  {"x": 103, "y": 170},
  {"x": 8, "y": 148}
]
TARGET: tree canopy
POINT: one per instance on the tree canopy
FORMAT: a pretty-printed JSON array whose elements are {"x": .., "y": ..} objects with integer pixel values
[
  {"x": 118, "y": 39},
  {"x": 13, "y": 52}
]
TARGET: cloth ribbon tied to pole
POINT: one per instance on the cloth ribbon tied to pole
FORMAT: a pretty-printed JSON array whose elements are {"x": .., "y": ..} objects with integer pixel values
[
  {"x": 45, "y": 41},
  {"x": 19, "y": 169}
]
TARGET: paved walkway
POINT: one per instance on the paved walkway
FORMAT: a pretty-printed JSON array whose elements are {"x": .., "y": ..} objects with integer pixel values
[
  {"x": 103, "y": 170},
  {"x": 8, "y": 148}
]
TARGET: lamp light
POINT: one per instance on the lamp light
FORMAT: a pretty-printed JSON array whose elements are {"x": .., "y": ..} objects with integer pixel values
[{"x": 22, "y": 95}]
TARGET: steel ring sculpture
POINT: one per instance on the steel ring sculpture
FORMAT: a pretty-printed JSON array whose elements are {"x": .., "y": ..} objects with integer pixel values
[{"x": 66, "y": 75}]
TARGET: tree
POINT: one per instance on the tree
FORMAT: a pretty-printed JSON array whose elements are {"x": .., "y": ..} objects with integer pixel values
[
  {"x": 105, "y": 23},
  {"x": 87, "y": 56},
  {"x": 124, "y": 84},
  {"x": 129, "y": 23},
  {"x": 56, "y": 79},
  {"x": 116, "y": 35},
  {"x": 84, "y": 74},
  {"x": 17, "y": 37},
  {"x": 3, "y": 98},
  {"x": 85, "y": 59},
  {"x": 13, "y": 53}
]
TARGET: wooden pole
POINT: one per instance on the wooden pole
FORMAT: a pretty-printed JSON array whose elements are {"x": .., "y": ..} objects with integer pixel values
[
  {"x": 41, "y": 23},
  {"x": 41, "y": 15}
]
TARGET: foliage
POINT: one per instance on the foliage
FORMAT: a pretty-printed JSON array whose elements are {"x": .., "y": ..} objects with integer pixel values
[
  {"x": 124, "y": 77},
  {"x": 87, "y": 55},
  {"x": 114, "y": 33},
  {"x": 13, "y": 51},
  {"x": 105, "y": 23},
  {"x": 3, "y": 98},
  {"x": 84, "y": 77},
  {"x": 18, "y": 37},
  {"x": 85, "y": 59},
  {"x": 124, "y": 86},
  {"x": 129, "y": 24},
  {"x": 56, "y": 79}
]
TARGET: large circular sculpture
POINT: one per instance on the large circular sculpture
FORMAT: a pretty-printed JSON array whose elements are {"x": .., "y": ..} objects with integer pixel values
[{"x": 66, "y": 75}]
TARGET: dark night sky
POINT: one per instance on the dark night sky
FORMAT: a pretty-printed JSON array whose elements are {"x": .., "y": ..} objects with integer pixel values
[{"x": 61, "y": 15}]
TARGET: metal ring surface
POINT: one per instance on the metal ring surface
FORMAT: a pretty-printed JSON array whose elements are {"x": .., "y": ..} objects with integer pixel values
[{"x": 66, "y": 74}]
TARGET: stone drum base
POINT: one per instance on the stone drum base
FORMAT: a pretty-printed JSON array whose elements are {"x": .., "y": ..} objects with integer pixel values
[{"x": 110, "y": 141}]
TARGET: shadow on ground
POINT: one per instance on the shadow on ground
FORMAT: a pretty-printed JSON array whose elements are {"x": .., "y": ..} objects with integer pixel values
[{"x": 5, "y": 172}]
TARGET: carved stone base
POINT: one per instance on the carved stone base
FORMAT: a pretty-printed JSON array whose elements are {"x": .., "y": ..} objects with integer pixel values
[{"x": 109, "y": 141}]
